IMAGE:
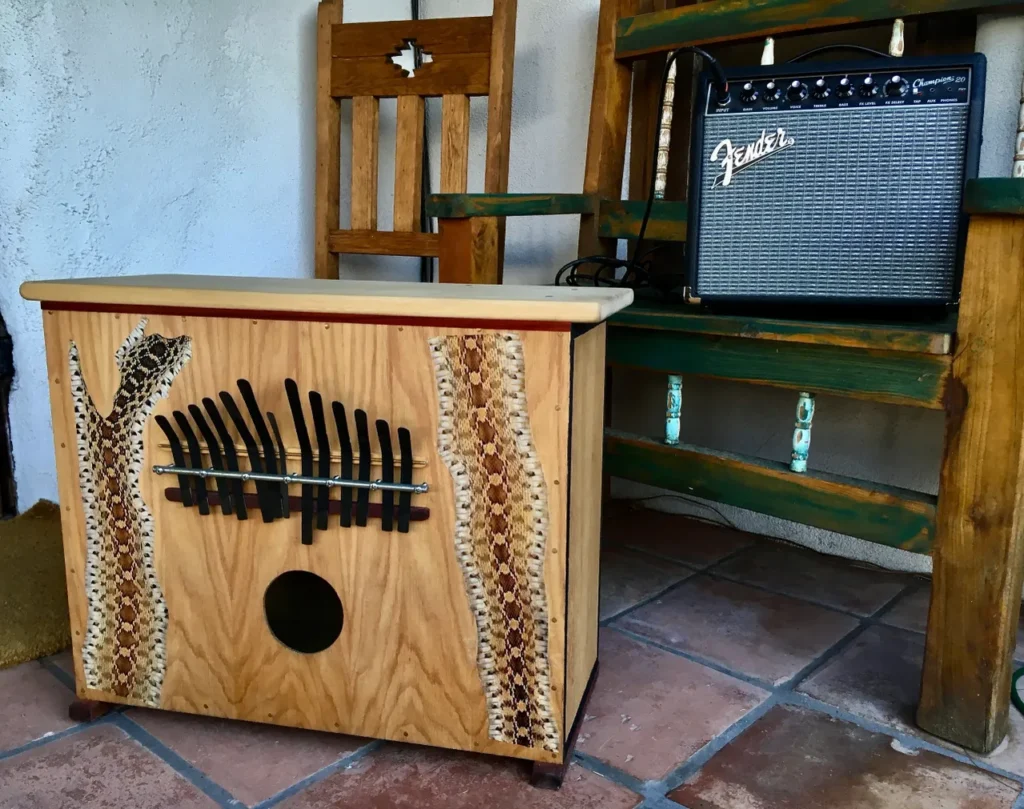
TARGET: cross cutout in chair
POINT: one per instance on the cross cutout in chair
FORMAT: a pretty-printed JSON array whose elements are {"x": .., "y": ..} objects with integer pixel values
[{"x": 411, "y": 57}]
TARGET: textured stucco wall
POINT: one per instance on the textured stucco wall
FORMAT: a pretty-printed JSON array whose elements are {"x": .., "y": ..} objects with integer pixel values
[{"x": 178, "y": 137}]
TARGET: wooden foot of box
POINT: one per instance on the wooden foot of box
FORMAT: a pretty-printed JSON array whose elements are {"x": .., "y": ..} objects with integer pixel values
[{"x": 88, "y": 710}]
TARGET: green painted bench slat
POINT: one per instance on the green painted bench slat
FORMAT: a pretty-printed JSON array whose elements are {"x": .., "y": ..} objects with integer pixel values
[
  {"x": 914, "y": 338},
  {"x": 733, "y": 20},
  {"x": 463, "y": 206},
  {"x": 885, "y": 376},
  {"x": 896, "y": 517},
  {"x": 620, "y": 219},
  {"x": 995, "y": 195}
]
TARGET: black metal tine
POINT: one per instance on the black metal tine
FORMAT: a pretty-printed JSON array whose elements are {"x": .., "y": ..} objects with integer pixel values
[
  {"x": 269, "y": 454},
  {"x": 341, "y": 422},
  {"x": 323, "y": 445},
  {"x": 264, "y": 496},
  {"x": 179, "y": 460},
  {"x": 230, "y": 456},
  {"x": 285, "y": 505},
  {"x": 195, "y": 454},
  {"x": 306, "y": 452},
  {"x": 223, "y": 487},
  {"x": 363, "y": 496},
  {"x": 387, "y": 461},
  {"x": 405, "y": 498}
]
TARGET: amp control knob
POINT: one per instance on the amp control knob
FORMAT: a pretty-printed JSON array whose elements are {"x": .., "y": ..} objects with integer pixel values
[
  {"x": 748, "y": 93},
  {"x": 797, "y": 91},
  {"x": 820, "y": 89},
  {"x": 771, "y": 93},
  {"x": 896, "y": 87},
  {"x": 868, "y": 88},
  {"x": 845, "y": 88}
]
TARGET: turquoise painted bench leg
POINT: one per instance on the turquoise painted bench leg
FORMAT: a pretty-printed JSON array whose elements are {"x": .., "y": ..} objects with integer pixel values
[
  {"x": 674, "y": 406},
  {"x": 802, "y": 431}
]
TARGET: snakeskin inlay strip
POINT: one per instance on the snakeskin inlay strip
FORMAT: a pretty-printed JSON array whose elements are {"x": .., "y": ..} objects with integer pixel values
[
  {"x": 126, "y": 621},
  {"x": 500, "y": 526}
]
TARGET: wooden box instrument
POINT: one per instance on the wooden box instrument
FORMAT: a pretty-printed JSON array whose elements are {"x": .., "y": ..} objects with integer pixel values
[{"x": 369, "y": 508}]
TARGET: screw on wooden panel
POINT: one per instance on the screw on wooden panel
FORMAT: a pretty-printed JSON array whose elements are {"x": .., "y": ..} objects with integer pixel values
[
  {"x": 802, "y": 431},
  {"x": 674, "y": 405}
]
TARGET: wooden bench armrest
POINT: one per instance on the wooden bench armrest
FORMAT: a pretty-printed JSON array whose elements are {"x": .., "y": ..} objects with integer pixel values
[{"x": 995, "y": 195}]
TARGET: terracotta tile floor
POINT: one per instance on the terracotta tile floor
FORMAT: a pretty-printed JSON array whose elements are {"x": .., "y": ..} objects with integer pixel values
[{"x": 736, "y": 673}]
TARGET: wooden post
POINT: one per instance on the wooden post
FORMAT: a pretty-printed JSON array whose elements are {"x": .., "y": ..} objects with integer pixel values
[
  {"x": 976, "y": 586},
  {"x": 609, "y": 118},
  {"x": 327, "y": 207},
  {"x": 469, "y": 250}
]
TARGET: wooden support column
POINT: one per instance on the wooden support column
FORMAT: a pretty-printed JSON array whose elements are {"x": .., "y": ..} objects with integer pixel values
[
  {"x": 327, "y": 207},
  {"x": 976, "y": 589},
  {"x": 469, "y": 250}
]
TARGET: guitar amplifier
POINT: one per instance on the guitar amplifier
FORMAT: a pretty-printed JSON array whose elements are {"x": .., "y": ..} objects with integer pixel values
[{"x": 835, "y": 182}]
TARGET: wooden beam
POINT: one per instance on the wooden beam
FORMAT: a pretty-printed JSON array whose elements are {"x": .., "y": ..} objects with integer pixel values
[
  {"x": 979, "y": 553},
  {"x": 910, "y": 379},
  {"x": 922, "y": 339},
  {"x": 995, "y": 195},
  {"x": 462, "y": 206},
  {"x": 896, "y": 517},
  {"x": 606, "y": 137},
  {"x": 327, "y": 185},
  {"x": 384, "y": 243},
  {"x": 735, "y": 20},
  {"x": 454, "y": 144},
  {"x": 408, "y": 163},
  {"x": 620, "y": 219},
  {"x": 365, "y": 140},
  {"x": 499, "y": 115}
]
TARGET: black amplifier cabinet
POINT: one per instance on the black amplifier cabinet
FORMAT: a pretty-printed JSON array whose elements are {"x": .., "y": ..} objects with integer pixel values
[{"x": 835, "y": 182}]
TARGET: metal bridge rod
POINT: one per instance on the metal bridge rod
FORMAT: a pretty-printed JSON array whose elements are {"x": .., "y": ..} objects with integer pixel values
[{"x": 372, "y": 485}]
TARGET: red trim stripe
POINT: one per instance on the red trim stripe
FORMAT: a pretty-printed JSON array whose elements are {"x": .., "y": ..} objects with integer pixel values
[{"x": 316, "y": 317}]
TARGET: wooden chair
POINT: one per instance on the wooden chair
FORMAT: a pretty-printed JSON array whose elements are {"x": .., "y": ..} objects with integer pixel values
[
  {"x": 462, "y": 57},
  {"x": 970, "y": 368}
]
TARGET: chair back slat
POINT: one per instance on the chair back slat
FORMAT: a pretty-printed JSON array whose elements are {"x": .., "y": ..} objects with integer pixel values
[
  {"x": 454, "y": 144},
  {"x": 365, "y": 138},
  {"x": 408, "y": 163}
]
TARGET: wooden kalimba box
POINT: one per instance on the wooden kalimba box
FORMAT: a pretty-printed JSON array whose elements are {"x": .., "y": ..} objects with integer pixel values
[{"x": 369, "y": 508}]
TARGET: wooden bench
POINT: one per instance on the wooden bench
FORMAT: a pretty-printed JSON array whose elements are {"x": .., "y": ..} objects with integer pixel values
[{"x": 971, "y": 367}]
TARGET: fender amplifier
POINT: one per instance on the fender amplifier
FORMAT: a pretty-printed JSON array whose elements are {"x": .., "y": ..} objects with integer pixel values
[{"x": 835, "y": 182}]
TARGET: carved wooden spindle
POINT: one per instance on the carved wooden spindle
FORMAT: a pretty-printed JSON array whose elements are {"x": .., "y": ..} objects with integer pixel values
[
  {"x": 1018, "y": 151},
  {"x": 802, "y": 431},
  {"x": 665, "y": 133},
  {"x": 674, "y": 406},
  {"x": 896, "y": 42},
  {"x": 768, "y": 53}
]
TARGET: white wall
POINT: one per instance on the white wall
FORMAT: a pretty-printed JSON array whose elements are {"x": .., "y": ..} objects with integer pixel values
[{"x": 178, "y": 137}]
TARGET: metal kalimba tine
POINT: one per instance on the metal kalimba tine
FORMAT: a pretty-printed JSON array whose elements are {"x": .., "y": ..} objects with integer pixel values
[{"x": 241, "y": 541}]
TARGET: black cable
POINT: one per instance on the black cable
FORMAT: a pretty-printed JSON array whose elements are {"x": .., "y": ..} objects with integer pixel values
[
  {"x": 426, "y": 262},
  {"x": 638, "y": 268},
  {"x": 825, "y": 48}
]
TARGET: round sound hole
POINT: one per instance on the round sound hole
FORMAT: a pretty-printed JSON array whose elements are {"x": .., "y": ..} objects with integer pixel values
[{"x": 303, "y": 611}]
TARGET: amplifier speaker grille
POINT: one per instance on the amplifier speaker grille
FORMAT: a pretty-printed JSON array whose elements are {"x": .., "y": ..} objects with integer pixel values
[{"x": 864, "y": 204}]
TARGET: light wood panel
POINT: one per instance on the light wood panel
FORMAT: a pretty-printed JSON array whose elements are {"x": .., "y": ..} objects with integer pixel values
[
  {"x": 404, "y": 667},
  {"x": 409, "y": 164},
  {"x": 454, "y": 144},
  {"x": 365, "y": 137},
  {"x": 979, "y": 551},
  {"x": 526, "y": 303},
  {"x": 327, "y": 190},
  {"x": 583, "y": 579}
]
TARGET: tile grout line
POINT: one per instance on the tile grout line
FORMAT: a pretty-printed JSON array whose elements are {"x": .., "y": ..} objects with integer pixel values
[
  {"x": 693, "y": 566},
  {"x": 46, "y": 739},
  {"x": 650, "y": 599},
  {"x": 58, "y": 673},
  {"x": 342, "y": 763},
  {"x": 192, "y": 774}
]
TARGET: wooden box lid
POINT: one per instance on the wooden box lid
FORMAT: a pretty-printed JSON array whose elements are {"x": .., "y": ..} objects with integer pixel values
[{"x": 357, "y": 298}]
